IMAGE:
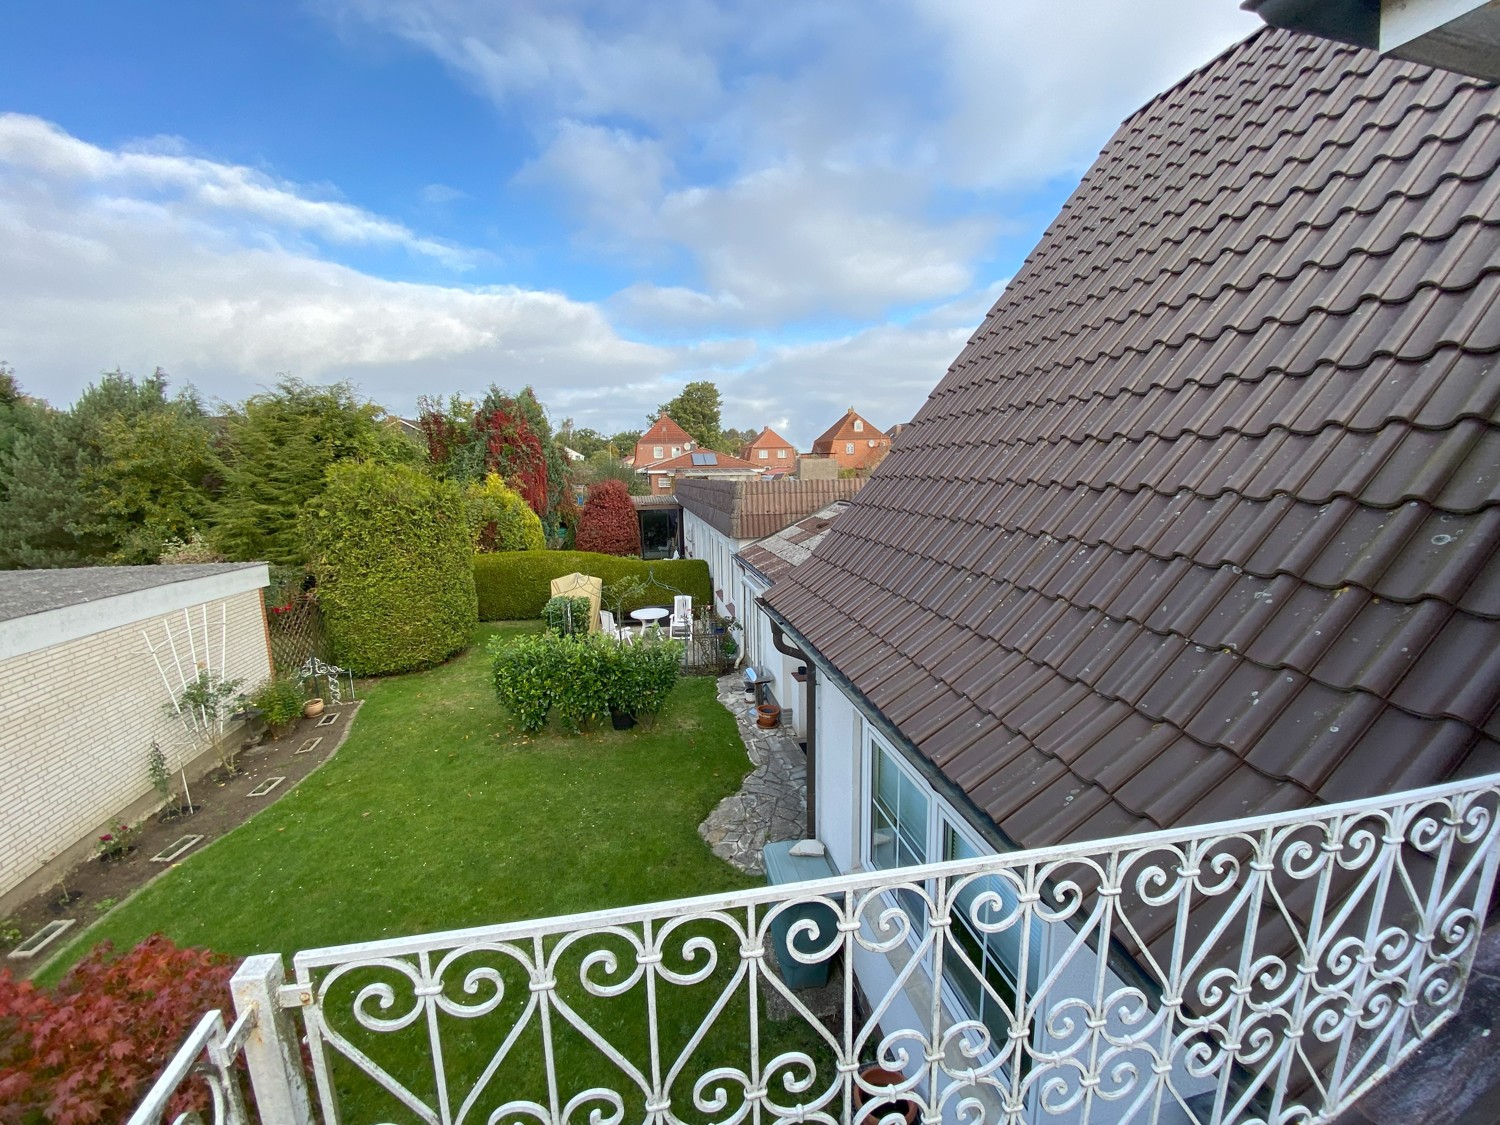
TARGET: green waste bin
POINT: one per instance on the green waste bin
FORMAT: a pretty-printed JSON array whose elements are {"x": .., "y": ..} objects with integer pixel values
[{"x": 781, "y": 868}]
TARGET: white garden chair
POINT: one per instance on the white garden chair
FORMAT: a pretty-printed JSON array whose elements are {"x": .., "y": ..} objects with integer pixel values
[{"x": 681, "y": 622}]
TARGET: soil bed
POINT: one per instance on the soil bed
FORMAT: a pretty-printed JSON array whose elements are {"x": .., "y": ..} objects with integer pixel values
[{"x": 221, "y": 804}]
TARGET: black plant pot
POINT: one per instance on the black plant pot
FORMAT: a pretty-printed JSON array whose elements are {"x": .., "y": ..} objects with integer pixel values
[{"x": 621, "y": 721}]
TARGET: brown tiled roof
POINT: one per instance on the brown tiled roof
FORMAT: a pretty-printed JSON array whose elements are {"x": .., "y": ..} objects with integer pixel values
[
  {"x": 770, "y": 439},
  {"x": 1203, "y": 521},
  {"x": 702, "y": 460},
  {"x": 753, "y": 509},
  {"x": 664, "y": 431},
  {"x": 843, "y": 430},
  {"x": 778, "y": 555}
]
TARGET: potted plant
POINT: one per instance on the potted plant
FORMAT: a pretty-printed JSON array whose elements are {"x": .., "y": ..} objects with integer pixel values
[{"x": 884, "y": 1105}]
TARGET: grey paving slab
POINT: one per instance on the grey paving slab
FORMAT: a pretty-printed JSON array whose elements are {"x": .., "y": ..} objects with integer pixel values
[{"x": 771, "y": 804}]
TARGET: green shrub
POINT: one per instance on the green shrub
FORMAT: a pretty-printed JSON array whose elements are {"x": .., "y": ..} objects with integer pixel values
[
  {"x": 391, "y": 550},
  {"x": 580, "y": 678},
  {"x": 567, "y": 616},
  {"x": 525, "y": 678},
  {"x": 645, "y": 674},
  {"x": 499, "y": 519},
  {"x": 280, "y": 699},
  {"x": 515, "y": 585}
]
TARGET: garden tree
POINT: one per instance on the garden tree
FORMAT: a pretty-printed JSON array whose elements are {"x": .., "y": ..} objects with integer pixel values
[
  {"x": 604, "y": 465},
  {"x": 392, "y": 554},
  {"x": 452, "y": 451},
  {"x": 505, "y": 434},
  {"x": 109, "y": 480},
  {"x": 154, "y": 480},
  {"x": 584, "y": 441},
  {"x": 18, "y": 417},
  {"x": 280, "y": 446},
  {"x": 499, "y": 520},
  {"x": 696, "y": 410},
  {"x": 608, "y": 523},
  {"x": 623, "y": 443},
  {"x": 732, "y": 441}
]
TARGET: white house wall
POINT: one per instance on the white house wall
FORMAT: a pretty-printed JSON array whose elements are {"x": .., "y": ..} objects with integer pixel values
[
  {"x": 702, "y": 541},
  {"x": 843, "y": 782},
  {"x": 79, "y": 717}
]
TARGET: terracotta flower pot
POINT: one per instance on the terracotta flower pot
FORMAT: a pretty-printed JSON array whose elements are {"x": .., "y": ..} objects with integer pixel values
[
  {"x": 767, "y": 715},
  {"x": 884, "y": 1107},
  {"x": 312, "y": 708}
]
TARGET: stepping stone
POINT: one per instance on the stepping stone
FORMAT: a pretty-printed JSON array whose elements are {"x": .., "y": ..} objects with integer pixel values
[
  {"x": 329, "y": 719},
  {"x": 176, "y": 849},
  {"x": 41, "y": 939},
  {"x": 265, "y": 787},
  {"x": 310, "y": 745}
]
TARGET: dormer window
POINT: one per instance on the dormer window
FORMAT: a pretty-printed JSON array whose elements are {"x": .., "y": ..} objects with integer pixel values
[{"x": 859, "y": 425}]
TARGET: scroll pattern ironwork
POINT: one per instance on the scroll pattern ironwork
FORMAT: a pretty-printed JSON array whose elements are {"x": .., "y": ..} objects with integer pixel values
[
  {"x": 206, "y": 1063},
  {"x": 1267, "y": 970}
]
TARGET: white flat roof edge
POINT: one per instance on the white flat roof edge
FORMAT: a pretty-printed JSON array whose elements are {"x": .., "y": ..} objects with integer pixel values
[{"x": 36, "y": 631}]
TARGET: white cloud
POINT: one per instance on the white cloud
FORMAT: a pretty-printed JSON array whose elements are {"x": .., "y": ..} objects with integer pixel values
[
  {"x": 95, "y": 280},
  {"x": 37, "y": 151},
  {"x": 838, "y": 158}
]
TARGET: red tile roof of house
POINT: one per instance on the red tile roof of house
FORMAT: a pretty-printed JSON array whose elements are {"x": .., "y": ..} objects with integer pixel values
[
  {"x": 770, "y": 439},
  {"x": 702, "y": 460},
  {"x": 1204, "y": 521},
  {"x": 843, "y": 430},
  {"x": 664, "y": 431}
]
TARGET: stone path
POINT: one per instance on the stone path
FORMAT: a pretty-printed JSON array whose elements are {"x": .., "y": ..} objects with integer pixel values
[{"x": 772, "y": 803}]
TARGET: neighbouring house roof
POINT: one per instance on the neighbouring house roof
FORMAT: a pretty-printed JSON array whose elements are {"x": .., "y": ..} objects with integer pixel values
[
  {"x": 701, "y": 461},
  {"x": 843, "y": 430},
  {"x": 775, "y": 556},
  {"x": 666, "y": 501},
  {"x": 1203, "y": 521},
  {"x": 769, "y": 439},
  {"x": 754, "y": 509},
  {"x": 664, "y": 431}
]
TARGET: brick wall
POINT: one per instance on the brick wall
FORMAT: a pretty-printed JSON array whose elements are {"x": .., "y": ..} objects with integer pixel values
[{"x": 78, "y": 718}]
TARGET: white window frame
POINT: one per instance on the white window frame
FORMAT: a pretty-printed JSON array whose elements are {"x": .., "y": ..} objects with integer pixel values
[
  {"x": 781, "y": 454},
  {"x": 763, "y": 454},
  {"x": 848, "y": 447},
  {"x": 657, "y": 452},
  {"x": 859, "y": 426},
  {"x": 941, "y": 818}
]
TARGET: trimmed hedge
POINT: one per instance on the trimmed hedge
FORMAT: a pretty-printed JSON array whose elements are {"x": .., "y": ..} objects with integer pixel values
[
  {"x": 515, "y": 585},
  {"x": 391, "y": 550}
]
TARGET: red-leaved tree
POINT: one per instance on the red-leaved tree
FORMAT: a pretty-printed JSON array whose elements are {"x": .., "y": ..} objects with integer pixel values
[
  {"x": 513, "y": 450},
  {"x": 88, "y": 1050},
  {"x": 608, "y": 522}
]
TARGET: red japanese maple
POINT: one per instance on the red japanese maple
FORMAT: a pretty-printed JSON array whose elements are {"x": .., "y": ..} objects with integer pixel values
[{"x": 89, "y": 1049}]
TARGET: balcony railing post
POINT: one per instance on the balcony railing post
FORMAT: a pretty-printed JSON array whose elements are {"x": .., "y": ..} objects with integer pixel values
[{"x": 271, "y": 1051}]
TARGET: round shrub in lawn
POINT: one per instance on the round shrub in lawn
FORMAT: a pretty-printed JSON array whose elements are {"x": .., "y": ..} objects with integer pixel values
[
  {"x": 393, "y": 557},
  {"x": 608, "y": 524}
]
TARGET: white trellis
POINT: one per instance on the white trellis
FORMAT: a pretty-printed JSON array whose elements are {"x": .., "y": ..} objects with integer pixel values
[{"x": 183, "y": 653}]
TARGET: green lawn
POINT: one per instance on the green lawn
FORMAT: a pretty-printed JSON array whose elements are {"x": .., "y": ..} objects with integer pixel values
[{"x": 435, "y": 815}]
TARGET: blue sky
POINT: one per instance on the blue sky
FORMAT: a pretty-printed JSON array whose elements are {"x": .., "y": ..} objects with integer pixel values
[{"x": 811, "y": 203}]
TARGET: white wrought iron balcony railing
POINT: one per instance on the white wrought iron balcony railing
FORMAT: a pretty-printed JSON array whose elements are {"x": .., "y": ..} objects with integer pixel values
[{"x": 1266, "y": 970}]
